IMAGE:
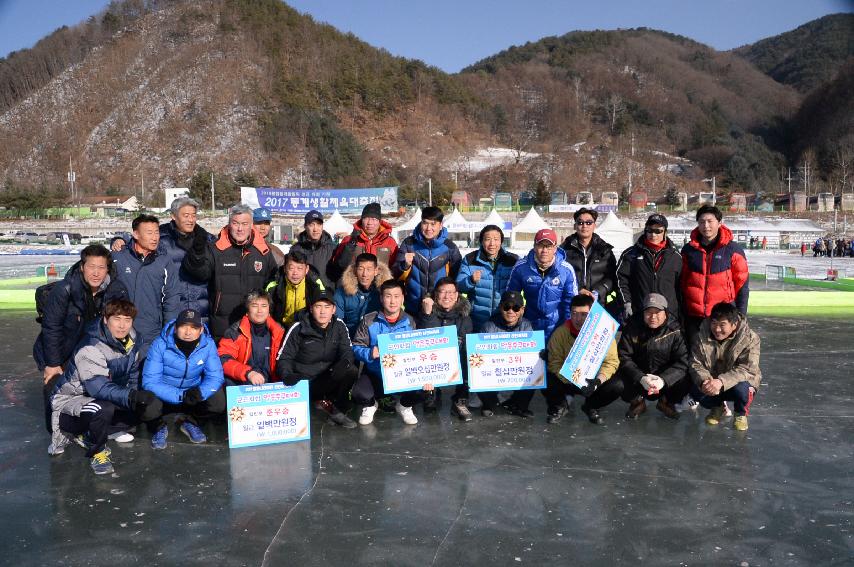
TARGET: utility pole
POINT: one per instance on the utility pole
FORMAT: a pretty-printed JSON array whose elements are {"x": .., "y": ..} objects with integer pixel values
[
  {"x": 72, "y": 176},
  {"x": 789, "y": 179},
  {"x": 430, "y": 191},
  {"x": 213, "y": 195},
  {"x": 142, "y": 188}
]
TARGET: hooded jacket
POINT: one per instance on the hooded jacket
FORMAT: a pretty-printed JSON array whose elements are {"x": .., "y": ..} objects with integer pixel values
[
  {"x": 372, "y": 326},
  {"x": 235, "y": 348},
  {"x": 709, "y": 278},
  {"x": 547, "y": 295},
  {"x": 168, "y": 374},
  {"x": 660, "y": 351},
  {"x": 314, "y": 283},
  {"x": 457, "y": 316},
  {"x": 319, "y": 253},
  {"x": 731, "y": 361},
  {"x": 485, "y": 294},
  {"x": 308, "y": 351},
  {"x": 642, "y": 271},
  {"x": 382, "y": 245},
  {"x": 595, "y": 267},
  {"x": 434, "y": 259},
  {"x": 70, "y": 308},
  {"x": 352, "y": 302}
]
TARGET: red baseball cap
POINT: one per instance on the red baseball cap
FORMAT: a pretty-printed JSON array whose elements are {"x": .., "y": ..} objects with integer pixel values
[{"x": 546, "y": 234}]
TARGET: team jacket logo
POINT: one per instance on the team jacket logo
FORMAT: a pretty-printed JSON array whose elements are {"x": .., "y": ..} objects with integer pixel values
[
  {"x": 258, "y": 265},
  {"x": 234, "y": 265}
]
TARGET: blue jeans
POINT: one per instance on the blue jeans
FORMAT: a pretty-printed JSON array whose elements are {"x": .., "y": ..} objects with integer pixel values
[{"x": 741, "y": 395}]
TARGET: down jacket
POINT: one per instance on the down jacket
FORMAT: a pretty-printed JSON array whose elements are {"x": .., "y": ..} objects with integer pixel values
[
  {"x": 168, "y": 374},
  {"x": 731, "y": 361},
  {"x": 547, "y": 295},
  {"x": 352, "y": 302},
  {"x": 485, "y": 295},
  {"x": 319, "y": 253},
  {"x": 660, "y": 351},
  {"x": 372, "y": 326},
  {"x": 457, "y": 316},
  {"x": 434, "y": 259},
  {"x": 70, "y": 308},
  {"x": 382, "y": 245},
  {"x": 642, "y": 271},
  {"x": 235, "y": 348},
  {"x": 595, "y": 267},
  {"x": 308, "y": 351},
  {"x": 710, "y": 278}
]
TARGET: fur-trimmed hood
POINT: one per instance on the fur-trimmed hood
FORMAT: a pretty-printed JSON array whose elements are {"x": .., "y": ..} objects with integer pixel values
[{"x": 349, "y": 283}]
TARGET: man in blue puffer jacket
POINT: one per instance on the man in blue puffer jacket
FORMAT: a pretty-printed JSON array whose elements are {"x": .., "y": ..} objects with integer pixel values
[
  {"x": 425, "y": 257},
  {"x": 484, "y": 275},
  {"x": 184, "y": 371}
]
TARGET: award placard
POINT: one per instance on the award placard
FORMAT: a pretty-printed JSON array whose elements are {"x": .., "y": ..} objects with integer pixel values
[
  {"x": 506, "y": 361},
  {"x": 411, "y": 359},
  {"x": 590, "y": 347},
  {"x": 269, "y": 413}
]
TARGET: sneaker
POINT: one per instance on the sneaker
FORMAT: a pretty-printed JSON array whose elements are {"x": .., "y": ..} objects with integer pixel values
[
  {"x": 740, "y": 423},
  {"x": 715, "y": 416},
  {"x": 461, "y": 410},
  {"x": 83, "y": 441},
  {"x": 513, "y": 409},
  {"x": 727, "y": 411},
  {"x": 193, "y": 432},
  {"x": 486, "y": 411},
  {"x": 687, "y": 403},
  {"x": 101, "y": 463},
  {"x": 340, "y": 419},
  {"x": 367, "y": 415},
  {"x": 636, "y": 407},
  {"x": 556, "y": 413},
  {"x": 406, "y": 414},
  {"x": 666, "y": 408},
  {"x": 432, "y": 400},
  {"x": 158, "y": 440},
  {"x": 593, "y": 415},
  {"x": 121, "y": 437}
]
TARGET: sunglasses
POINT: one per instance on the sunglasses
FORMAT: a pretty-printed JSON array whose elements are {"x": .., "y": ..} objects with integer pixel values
[
  {"x": 585, "y": 222},
  {"x": 654, "y": 230},
  {"x": 515, "y": 308}
]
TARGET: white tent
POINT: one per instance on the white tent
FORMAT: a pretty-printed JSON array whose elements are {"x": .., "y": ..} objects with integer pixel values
[
  {"x": 456, "y": 222},
  {"x": 531, "y": 224},
  {"x": 494, "y": 218},
  {"x": 337, "y": 224},
  {"x": 614, "y": 232},
  {"x": 404, "y": 230}
]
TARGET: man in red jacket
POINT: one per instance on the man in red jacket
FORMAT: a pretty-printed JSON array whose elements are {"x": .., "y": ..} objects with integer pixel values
[
  {"x": 370, "y": 235},
  {"x": 714, "y": 269},
  {"x": 249, "y": 347}
]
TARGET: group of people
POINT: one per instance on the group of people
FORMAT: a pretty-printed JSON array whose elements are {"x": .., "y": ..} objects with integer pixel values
[
  {"x": 828, "y": 247},
  {"x": 171, "y": 315}
]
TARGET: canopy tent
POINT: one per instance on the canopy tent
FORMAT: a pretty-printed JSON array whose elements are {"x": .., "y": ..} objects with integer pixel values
[
  {"x": 404, "y": 230},
  {"x": 616, "y": 233},
  {"x": 456, "y": 222},
  {"x": 495, "y": 218},
  {"x": 337, "y": 224},
  {"x": 530, "y": 225}
]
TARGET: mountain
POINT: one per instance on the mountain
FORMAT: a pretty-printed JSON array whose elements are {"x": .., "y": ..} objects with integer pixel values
[{"x": 807, "y": 56}]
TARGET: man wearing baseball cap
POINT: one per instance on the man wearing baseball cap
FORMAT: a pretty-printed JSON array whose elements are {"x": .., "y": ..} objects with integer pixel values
[
  {"x": 315, "y": 243},
  {"x": 370, "y": 234},
  {"x": 262, "y": 220}
]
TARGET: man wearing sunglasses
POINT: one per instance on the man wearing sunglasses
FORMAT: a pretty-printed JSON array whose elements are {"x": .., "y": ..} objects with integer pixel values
[
  {"x": 652, "y": 265},
  {"x": 591, "y": 257}
]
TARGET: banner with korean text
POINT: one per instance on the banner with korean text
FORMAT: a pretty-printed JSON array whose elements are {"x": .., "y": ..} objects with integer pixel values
[
  {"x": 411, "y": 359},
  {"x": 327, "y": 201},
  {"x": 590, "y": 347},
  {"x": 506, "y": 361},
  {"x": 269, "y": 413}
]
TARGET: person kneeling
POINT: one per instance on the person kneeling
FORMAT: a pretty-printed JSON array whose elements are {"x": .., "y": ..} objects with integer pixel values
[
  {"x": 558, "y": 387},
  {"x": 249, "y": 347},
  {"x": 725, "y": 364},
  {"x": 653, "y": 361},
  {"x": 317, "y": 349},
  {"x": 184, "y": 371}
]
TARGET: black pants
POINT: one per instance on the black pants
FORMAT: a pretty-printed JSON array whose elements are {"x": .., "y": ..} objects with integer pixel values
[
  {"x": 335, "y": 386},
  {"x": 691, "y": 327},
  {"x": 622, "y": 386},
  {"x": 369, "y": 386},
  {"x": 214, "y": 405},
  {"x": 98, "y": 419},
  {"x": 557, "y": 390}
]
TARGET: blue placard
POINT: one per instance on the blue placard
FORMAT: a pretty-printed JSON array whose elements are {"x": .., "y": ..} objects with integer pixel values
[
  {"x": 411, "y": 359},
  {"x": 506, "y": 361},
  {"x": 590, "y": 347},
  {"x": 270, "y": 413},
  {"x": 327, "y": 201}
]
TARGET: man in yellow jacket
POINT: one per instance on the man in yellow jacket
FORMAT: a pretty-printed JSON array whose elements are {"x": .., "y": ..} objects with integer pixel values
[{"x": 558, "y": 386}]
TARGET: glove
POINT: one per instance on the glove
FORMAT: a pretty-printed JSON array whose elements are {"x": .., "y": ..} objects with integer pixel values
[
  {"x": 200, "y": 241},
  {"x": 139, "y": 399},
  {"x": 544, "y": 354},
  {"x": 590, "y": 387},
  {"x": 192, "y": 396},
  {"x": 627, "y": 311},
  {"x": 652, "y": 382}
]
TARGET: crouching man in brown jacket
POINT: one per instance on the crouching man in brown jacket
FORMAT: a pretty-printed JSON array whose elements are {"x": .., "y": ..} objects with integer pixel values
[{"x": 725, "y": 364}]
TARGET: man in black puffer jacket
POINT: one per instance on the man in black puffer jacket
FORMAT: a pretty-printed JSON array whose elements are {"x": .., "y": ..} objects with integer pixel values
[
  {"x": 317, "y": 348},
  {"x": 592, "y": 259},
  {"x": 316, "y": 244}
]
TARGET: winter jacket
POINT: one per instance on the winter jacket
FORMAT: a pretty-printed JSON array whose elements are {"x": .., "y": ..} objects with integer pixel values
[
  {"x": 457, "y": 316},
  {"x": 168, "y": 374},
  {"x": 232, "y": 271},
  {"x": 372, "y": 326},
  {"x": 235, "y": 348},
  {"x": 313, "y": 283},
  {"x": 308, "y": 351},
  {"x": 382, "y": 245},
  {"x": 70, "y": 308},
  {"x": 352, "y": 302},
  {"x": 559, "y": 345},
  {"x": 642, "y": 271},
  {"x": 595, "y": 267},
  {"x": 731, "y": 361},
  {"x": 152, "y": 284},
  {"x": 497, "y": 325},
  {"x": 708, "y": 279},
  {"x": 101, "y": 368},
  {"x": 662, "y": 351},
  {"x": 319, "y": 253},
  {"x": 547, "y": 295},
  {"x": 434, "y": 259},
  {"x": 485, "y": 295}
]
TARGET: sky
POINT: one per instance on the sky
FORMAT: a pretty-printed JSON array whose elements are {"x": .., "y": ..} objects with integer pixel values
[{"x": 451, "y": 34}]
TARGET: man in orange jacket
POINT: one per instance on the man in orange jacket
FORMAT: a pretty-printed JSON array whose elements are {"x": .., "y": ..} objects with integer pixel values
[{"x": 249, "y": 347}]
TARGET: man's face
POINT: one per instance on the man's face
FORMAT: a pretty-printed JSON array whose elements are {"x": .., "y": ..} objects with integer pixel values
[
  {"x": 147, "y": 236},
  {"x": 263, "y": 228},
  {"x": 708, "y": 226},
  {"x": 391, "y": 300},
  {"x": 430, "y": 229},
  {"x": 95, "y": 270},
  {"x": 370, "y": 225},
  {"x": 544, "y": 252},
  {"x": 584, "y": 226},
  {"x": 185, "y": 220},
  {"x": 722, "y": 329},
  {"x": 491, "y": 243},
  {"x": 258, "y": 311},
  {"x": 654, "y": 317},
  {"x": 365, "y": 273},
  {"x": 119, "y": 325},
  {"x": 295, "y": 272},
  {"x": 188, "y": 332},
  {"x": 655, "y": 234},
  {"x": 314, "y": 230},
  {"x": 240, "y": 227},
  {"x": 446, "y": 296},
  {"x": 510, "y": 314},
  {"x": 322, "y": 312},
  {"x": 578, "y": 315}
]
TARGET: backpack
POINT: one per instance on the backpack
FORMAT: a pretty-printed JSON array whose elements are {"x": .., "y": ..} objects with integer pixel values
[{"x": 42, "y": 295}]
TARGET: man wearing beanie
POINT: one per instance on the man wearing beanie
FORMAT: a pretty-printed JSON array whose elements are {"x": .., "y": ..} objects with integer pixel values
[
  {"x": 370, "y": 234},
  {"x": 315, "y": 243}
]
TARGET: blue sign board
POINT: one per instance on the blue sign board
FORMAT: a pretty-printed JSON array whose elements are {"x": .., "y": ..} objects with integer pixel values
[
  {"x": 269, "y": 413},
  {"x": 327, "y": 201}
]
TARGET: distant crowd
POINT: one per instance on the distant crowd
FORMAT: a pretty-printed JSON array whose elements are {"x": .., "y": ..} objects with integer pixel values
[
  {"x": 828, "y": 247},
  {"x": 169, "y": 316}
]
